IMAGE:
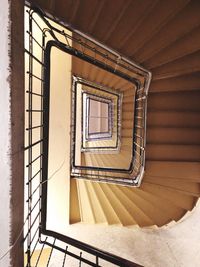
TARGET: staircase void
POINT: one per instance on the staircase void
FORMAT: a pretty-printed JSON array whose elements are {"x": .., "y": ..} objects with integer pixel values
[{"x": 171, "y": 183}]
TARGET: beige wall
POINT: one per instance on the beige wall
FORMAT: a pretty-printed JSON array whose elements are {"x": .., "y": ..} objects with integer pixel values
[
  {"x": 59, "y": 141},
  {"x": 175, "y": 245},
  {"x": 59, "y": 132}
]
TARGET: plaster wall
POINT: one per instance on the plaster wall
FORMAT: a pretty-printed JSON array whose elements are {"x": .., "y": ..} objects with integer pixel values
[
  {"x": 5, "y": 148},
  {"x": 175, "y": 245},
  {"x": 59, "y": 130},
  {"x": 59, "y": 141}
]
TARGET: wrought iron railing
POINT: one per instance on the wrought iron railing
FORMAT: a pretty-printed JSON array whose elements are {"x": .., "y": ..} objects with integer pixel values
[
  {"x": 132, "y": 175},
  {"x": 100, "y": 134},
  {"x": 115, "y": 124},
  {"x": 37, "y": 238}
]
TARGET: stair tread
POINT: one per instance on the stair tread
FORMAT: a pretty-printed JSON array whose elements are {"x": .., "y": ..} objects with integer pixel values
[
  {"x": 109, "y": 212},
  {"x": 74, "y": 203},
  {"x": 185, "y": 82},
  {"x": 173, "y": 119},
  {"x": 186, "y": 45},
  {"x": 86, "y": 209},
  {"x": 169, "y": 152},
  {"x": 162, "y": 14},
  {"x": 140, "y": 217},
  {"x": 166, "y": 208},
  {"x": 186, "y": 187},
  {"x": 171, "y": 185},
  {"x": 172, "y": 31},
  {"x": 187, "y": 101},
  {"x": 147, "y": 207},
  {"x": 187, "y": 64},
  {"x": 173, "y": 170},
  {"x": 97, "y": 207},
  {"x": 120, "y": 209},
  {"x": 184, "y": 201},
  {"x": 169, "y": 135}
]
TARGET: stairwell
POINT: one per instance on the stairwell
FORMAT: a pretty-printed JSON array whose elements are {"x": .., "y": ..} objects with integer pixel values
[
  {"x": 170, "y": 186},
  {"x": 162, "y": 36}
]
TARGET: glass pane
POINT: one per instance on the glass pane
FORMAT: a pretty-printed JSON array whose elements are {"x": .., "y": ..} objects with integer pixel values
[
  {"x": 98, "y": 125},
  {"x": 98, "y": 117}
]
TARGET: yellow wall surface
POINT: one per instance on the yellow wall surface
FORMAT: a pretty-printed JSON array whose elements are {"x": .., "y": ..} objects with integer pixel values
[
  {"x": 59, "y": 129},
  {"x": 59, "y": 140}
]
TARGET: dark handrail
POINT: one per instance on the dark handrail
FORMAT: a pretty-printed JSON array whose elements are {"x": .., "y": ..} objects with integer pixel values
[{"x": 90, "y": 249}]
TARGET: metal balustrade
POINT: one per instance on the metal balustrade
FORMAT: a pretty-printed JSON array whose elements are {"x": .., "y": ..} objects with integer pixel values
[
  {"x": 135, "y": 171},
  {"x": 37, "y": 238},
  {"x": 98, "y": 92}
]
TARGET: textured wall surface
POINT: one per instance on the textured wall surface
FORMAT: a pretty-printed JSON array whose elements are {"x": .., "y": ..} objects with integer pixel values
[
  {"x": 11, "y": 134},
  {"x": 17, "y": 130},
  {"x": 175, "y": 245},
  {"x": 5, "y": 161}
]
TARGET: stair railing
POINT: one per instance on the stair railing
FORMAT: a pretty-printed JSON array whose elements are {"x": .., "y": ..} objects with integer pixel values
[{"x": 37, "y": 239}]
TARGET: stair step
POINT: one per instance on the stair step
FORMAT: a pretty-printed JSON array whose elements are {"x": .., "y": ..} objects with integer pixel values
[
  {"x": 166, "y": 135},
  {"x": 93, "y": 73},
  {"x": 96, "y": 204},
  {"x": 173, "y": 119},
  {"x": 166, "y": 209},
  {"x": 74, "y": 202},
  {"x": 174, "y": 101},
  {"x": 109, "y": 212},
  {"x": 126, "y": 148},
  {"x": 187, "y": 64},
  {"x": 188, "y": 44},
  {"x": 95, "y": 161},
  {"x": 152, "y": 25},
  {"x": 103, "y": 143},
  {"x": 127, "y": 141},
  {"x": 158, "y": 216},
  {"x": 181, "y": 200},
  {"x": 134, "y": 18},
  {"x": 185, "y": 187},
  {"x": 127, "y": 124},
  {"x": 128, "y": 107},
  {"x": 86, "y": 209},
  {"x": 139, "y": 216},
  {"x": 121, "y": 211},
  {"x": 172, "y": 31},
  {"x": 126, "y": 132},
  {"x": 175, "y": 170},
  {"x": 129, "y": 93},
  {"x": 90, "y": 157},
  {"x": 122, "y": 84},
  {"x": 42, "y": 255},
  {"x": 131, "y": 88},
  {"x": 127, "y": 115},
  {"x": 186, "y": 82},
  {"x": 173, "y": 152},
  {"x": 128, "y": 99},
  {"x": 118, "y": 161}
]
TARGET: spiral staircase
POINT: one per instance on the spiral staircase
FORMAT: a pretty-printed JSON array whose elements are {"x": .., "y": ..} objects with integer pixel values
[
  {"x": 170, "y": 186},
  {"x": 162, "y": 36}
]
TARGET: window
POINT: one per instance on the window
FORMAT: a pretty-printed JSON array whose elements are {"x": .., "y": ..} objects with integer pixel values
[{"x": 98, "y": 117}]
